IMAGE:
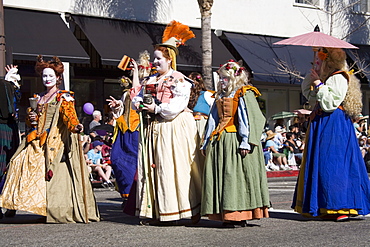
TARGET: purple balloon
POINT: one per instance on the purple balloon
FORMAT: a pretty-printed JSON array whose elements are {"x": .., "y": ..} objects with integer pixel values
[{"x": 88, "y": 108}]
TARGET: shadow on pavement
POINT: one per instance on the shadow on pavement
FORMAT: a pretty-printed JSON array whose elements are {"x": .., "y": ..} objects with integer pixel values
[
  {"x": 289, "y": 216},
  {"x": 22, "y": 218}
]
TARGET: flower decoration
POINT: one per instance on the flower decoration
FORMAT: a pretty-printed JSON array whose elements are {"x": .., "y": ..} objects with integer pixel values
[
  {"x": 323, "y": 54},
  {"x": 239, "y": 71}
]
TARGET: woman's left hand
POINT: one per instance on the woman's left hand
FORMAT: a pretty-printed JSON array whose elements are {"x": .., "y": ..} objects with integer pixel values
[
  {"x": 149, "y": 107},
  {"x": 244, "y": 152},
  {"x": 79, "y": 128}
]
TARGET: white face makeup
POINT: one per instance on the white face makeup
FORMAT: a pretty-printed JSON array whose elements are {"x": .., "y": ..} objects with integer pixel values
[
  {"x": 161, "y": 63},
  {"x": 48, "y": 77},
  {"x": 224, "y": 82}
]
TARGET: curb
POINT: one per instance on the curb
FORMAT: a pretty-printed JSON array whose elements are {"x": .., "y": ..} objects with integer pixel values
[{"x": 275, "y": 174}]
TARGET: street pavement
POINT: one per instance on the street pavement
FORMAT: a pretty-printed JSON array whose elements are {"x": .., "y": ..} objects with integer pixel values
[{"x": 283, "y": 228}]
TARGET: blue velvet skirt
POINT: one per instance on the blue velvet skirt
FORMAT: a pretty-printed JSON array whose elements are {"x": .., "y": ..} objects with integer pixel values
[
  {"x": 333, "y": 177},
  {"x": 124, "y": 158}
]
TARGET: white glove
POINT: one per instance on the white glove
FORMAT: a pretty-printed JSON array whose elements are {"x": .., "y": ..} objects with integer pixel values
[{"x": 13, "y": 76}]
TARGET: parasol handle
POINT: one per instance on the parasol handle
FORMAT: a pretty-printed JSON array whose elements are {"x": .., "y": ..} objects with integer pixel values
[{"x": 315, "y": 50}]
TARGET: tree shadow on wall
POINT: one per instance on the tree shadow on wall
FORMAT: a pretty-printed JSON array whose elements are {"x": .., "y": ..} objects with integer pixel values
[{"x": 125, "y": 16}]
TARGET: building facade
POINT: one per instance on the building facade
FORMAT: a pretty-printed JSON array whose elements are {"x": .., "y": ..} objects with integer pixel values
[{"x": 92, "y": 35}]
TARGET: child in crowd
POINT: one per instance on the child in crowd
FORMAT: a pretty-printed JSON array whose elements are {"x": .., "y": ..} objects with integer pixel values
[{"x": 94, "y": 160}]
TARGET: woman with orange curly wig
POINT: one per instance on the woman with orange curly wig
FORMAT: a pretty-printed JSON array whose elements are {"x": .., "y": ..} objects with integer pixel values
[
  {"x": 46, "y": 175},
  {"x": 333, "y": 182}
]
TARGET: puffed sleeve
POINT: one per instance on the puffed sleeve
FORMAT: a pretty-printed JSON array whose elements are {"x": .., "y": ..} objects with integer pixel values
[
  {"x": 181, "y": 93},
  {"x": 208, "y": 97},
  {"x": 306, "y": 88},
  {"x": 332, "y": 94},
  {"x": 243, "y": 127},
  {"x": 212, "y": 121},
  {"x": 68, "y": 112}
]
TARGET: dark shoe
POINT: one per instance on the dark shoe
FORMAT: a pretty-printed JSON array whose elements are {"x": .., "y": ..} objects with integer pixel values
[
  {"x": 243, "y": 223},
  {"x": 1, "y": 214},
  {"x": 158, "y": 223},
  {"x": 195, "y": 219},
  {"x": 234, "y": 224},
  {"x": 10, "y": 213},
  {"x": 124, "y": 202},
  {"x": 149, "y": 222},
  {"x": 228, "y": 225}
]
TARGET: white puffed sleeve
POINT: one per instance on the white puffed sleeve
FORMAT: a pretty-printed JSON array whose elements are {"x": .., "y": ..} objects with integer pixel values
[{"x": 332, "y": 94}]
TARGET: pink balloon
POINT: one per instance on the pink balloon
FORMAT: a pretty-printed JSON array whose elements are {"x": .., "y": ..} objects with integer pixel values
[{"x": 88, "y": 108}]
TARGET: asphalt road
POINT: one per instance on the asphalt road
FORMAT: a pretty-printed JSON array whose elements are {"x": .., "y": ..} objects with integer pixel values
[{"x": 283, "y": 228}]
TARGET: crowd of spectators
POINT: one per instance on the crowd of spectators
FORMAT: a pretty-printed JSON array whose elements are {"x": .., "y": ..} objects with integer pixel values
[
  {"x": 363, "y": 135},
  {"x": 283, "y": 148},
  {"x": 97, "y": 144}
]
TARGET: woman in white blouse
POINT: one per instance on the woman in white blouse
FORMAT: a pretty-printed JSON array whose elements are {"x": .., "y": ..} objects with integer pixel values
[
  {"x": 333, "y": 182},
  {"x": 169, "y": 182}
]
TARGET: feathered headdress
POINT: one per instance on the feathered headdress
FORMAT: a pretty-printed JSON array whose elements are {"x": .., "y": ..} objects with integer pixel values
[
  {"x": 174, "y": 35},
  {"x": 179, "y": 31}
]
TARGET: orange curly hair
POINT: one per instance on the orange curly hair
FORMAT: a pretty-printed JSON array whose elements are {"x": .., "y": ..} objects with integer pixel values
[{"x": 54, "y": 64}]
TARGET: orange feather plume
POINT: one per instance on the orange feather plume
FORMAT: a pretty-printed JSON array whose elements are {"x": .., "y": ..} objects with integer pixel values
[{"x": 178, "y": 30}]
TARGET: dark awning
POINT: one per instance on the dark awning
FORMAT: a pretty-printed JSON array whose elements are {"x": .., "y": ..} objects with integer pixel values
[
  {"x": 30, "y": 33},
  {"x": 114, "y": 38},
  {"x": 263, "y": 57}
]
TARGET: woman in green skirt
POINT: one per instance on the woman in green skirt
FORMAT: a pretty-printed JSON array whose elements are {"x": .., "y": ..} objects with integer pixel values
[{"x": 234, "y": 183}]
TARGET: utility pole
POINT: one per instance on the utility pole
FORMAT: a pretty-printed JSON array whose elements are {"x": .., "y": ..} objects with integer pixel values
[{"x": 2, "y": 41}]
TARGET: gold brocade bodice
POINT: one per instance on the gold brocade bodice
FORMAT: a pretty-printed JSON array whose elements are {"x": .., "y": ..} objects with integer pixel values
[{"x": 45, "y": 114}]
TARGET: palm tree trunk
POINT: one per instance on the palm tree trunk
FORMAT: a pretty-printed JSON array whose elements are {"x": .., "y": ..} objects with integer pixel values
[{"x": 205, "y": 10}]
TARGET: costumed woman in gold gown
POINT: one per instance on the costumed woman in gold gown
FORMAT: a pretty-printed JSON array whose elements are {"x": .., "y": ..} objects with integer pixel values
[{"x": 47, "y": 175}]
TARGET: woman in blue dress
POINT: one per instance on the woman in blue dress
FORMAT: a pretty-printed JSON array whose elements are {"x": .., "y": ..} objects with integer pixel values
[{"x": 333, "y": 182}]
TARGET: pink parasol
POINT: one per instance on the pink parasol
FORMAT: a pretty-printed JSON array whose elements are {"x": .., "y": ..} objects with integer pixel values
[
  {"x": 302, "y": 111},
  {"x": 316, "y": 39}
]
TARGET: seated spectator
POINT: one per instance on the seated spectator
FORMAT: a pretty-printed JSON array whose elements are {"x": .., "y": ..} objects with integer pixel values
[
  {"x": 107, "y": 147},
  {"x": 294, "y": 128},
  {"x": 359, "y": 123},
  {"x": 279, "y": 158},
  {"x": 291, "y": 145},
  {"x": 362, "y": 141},
  {"x": 280, "y": 136},
  {"x": 95, "y": 157},
  {"x": 269, "y": 164},
  {"x": 95, "y": 122}
]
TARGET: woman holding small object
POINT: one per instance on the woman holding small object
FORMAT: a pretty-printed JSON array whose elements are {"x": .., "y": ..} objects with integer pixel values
[
  {"x": 47, "y": 174},
  {"x": 168, "y": 176},
  {"x": 333, "y": 183},
  {"x": 124, "y": 153}
]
